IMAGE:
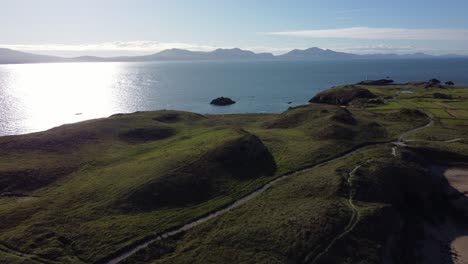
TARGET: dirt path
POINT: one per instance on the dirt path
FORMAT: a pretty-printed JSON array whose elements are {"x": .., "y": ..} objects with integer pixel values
[
  {"x": 440, "y": 141},
  {"x": 407, "y": 133},
  {"x": 128, "y": 251},
  {"x": 353, "y": 221},
  {"x": 402, "y": 139}
]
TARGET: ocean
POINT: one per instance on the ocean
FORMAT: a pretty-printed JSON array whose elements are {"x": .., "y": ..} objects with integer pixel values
[{"x": 35, "y": 97}]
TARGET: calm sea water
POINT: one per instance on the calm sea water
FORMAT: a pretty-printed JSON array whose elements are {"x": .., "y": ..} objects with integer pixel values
[{"x": 35, "y": 97}]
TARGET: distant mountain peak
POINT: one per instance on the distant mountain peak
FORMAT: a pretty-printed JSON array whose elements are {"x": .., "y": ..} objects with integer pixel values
[{"x": 8, "y": 56}]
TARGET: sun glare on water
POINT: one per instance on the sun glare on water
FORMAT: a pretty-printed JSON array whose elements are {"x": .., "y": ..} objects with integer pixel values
[{"x": 46, "y": 95}]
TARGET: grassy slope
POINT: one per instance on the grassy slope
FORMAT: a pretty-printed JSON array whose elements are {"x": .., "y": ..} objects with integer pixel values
[
  {"x": 449, "y": 115},
  {"x": 75, "y": 215},
  {"x": 284, "y": 225},
  {"x": 294, "y": 221}
]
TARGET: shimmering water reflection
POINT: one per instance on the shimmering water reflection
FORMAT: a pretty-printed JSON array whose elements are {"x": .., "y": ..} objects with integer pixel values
[{"x": 36, "y": 97}]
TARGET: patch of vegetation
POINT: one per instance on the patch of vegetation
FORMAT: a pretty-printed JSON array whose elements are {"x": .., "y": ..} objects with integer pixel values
[
  {"x": 344, "y": 116},
  {"x": 377, "y": 82},
  {"x": 141, "y": 135},
  {"x": 441, "y": 96},
  {"x": 342, "y": 95},
  {"x": 243, "y": 158},
  {"x": 80, "y": 192}
]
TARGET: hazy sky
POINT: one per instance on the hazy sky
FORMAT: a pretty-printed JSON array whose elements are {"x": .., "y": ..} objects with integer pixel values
[{"x": 116, "y": 27}]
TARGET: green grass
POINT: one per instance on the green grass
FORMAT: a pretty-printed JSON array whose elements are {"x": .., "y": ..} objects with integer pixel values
[
  {"x": 296, "y": 219},
  {"x": 80, "y": 192},
  {"x": 109, "y": 171}
]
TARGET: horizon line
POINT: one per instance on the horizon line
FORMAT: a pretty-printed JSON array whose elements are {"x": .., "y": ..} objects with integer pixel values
[{"x": 38, "y": 52}]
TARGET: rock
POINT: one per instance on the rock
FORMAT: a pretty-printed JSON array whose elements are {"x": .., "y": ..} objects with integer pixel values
[
  {"x": 434, "y": 81},
  {"x": 449, "y": 83},
  {"x": 342, "y": 96},
  {"x": 377, "y": 82},
  {"x": 222, "y": 101}
]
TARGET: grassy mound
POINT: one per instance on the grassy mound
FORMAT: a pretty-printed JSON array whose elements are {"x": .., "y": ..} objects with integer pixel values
[
  {"x": 412, "y": 113},
  {"x": 80, "y": 192},
  {"x": 399, "y": 196},
  {"x": 344, "y": 116},
  {"x": 375, "y": 130},
  {"x": 61, "y": 139},
  {"x": 342, "y": 95},
  {"x": 336, "y": 132},
  {"x": 243, "y": 158},
  {"x": 298, "y": 116},
  {"x": 167, "y": 116},
  {"x": 141, "y": 135},
  {"x": 19, "y": 182},
  {"x": 405, "y": 185}
]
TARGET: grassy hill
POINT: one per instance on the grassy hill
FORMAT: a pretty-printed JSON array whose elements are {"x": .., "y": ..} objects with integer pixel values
[{"x": 80, "y": 193}]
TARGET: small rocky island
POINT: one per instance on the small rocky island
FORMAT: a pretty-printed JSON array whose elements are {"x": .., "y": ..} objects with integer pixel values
[{"x": 222, "y": 101}]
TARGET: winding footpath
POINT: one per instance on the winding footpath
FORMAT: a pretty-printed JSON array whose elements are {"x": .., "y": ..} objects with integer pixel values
[
  {"x": 406, "y": 134},
  {"x": 353, "y": 221},
  {"x": 141, "y": 244},
  {"x": 130, "y": 250}
]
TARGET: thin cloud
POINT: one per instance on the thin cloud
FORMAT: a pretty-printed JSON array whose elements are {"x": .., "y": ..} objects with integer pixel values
[
  {"x": 380, "y": 48},
  {"x": 379, "y": 33}
]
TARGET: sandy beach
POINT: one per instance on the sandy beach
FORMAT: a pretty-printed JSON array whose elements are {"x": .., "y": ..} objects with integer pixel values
[{"x": 448, "y": 242}]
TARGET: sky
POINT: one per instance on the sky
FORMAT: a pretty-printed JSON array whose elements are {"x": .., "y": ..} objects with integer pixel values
[{"x": 135, "y": 27}]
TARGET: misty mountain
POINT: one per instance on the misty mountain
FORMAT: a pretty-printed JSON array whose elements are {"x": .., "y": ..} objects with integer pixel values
[
  {"x": 8, "y": 56},
  {"x": 316, "y": 54},
  {"x": 218, "y": 54}
]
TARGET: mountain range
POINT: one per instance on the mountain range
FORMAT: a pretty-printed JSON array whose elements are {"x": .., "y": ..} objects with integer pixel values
[{"x": 9, "y": 56}]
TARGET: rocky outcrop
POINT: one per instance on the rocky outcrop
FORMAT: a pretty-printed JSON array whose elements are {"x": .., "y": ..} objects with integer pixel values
[
  {"x": 222, "y": 101},
  {"x": 342, "y": 96}
]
